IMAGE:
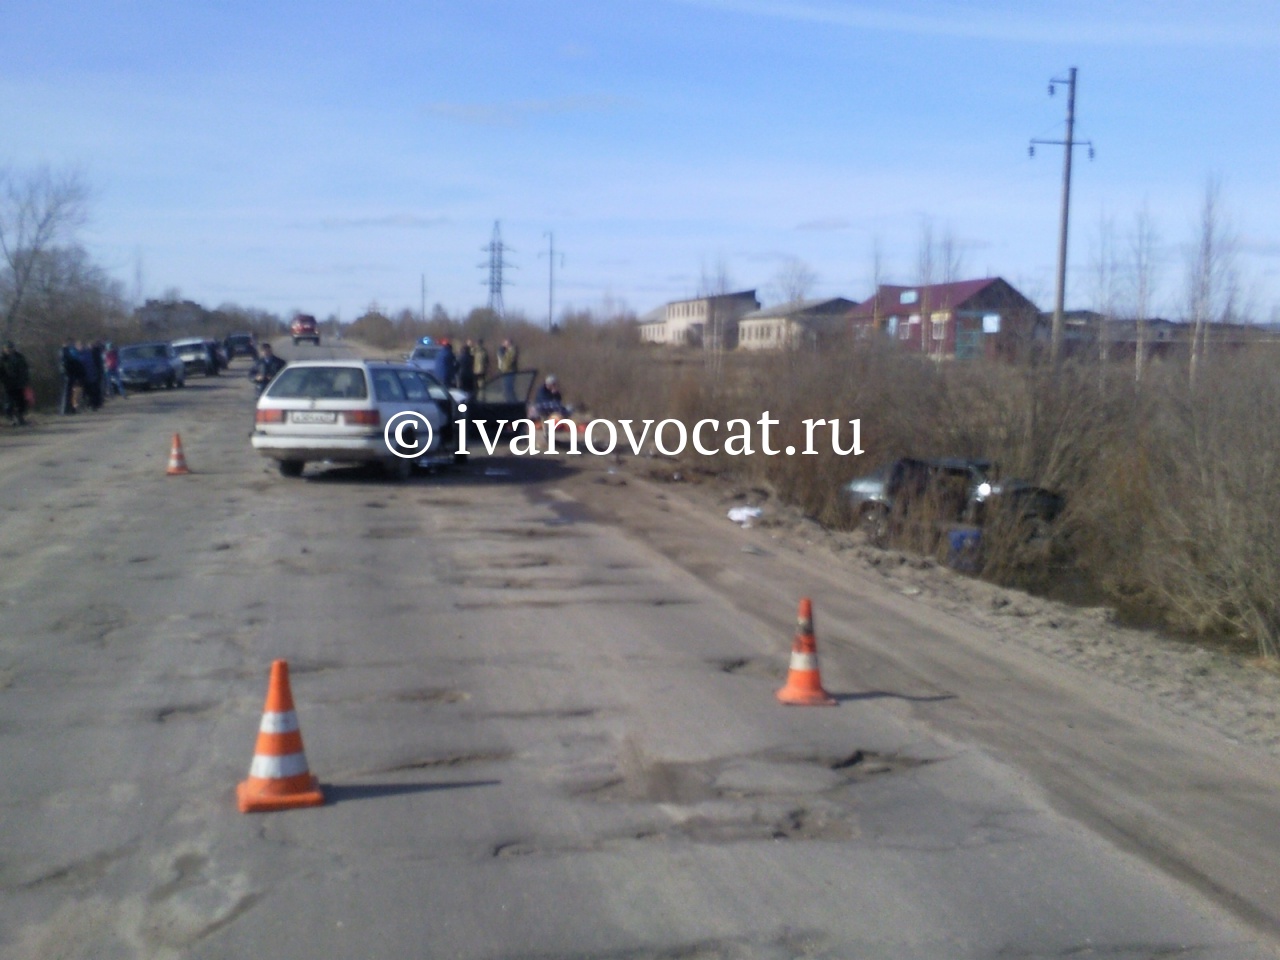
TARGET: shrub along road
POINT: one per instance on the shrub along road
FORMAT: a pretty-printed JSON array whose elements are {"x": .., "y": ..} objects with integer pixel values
[{"x": 539, "y": 694}]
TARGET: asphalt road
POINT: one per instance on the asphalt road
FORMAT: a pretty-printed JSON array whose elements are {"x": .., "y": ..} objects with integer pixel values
[{"x": 539, "y": 694}]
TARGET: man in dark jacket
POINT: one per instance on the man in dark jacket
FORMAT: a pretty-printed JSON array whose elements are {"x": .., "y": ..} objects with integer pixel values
[
  {"x": 72, "y": 367},
  {"x": 467, "y": 369},
  {"x": 16, "y": 377},
  {"x": 548, "y": 402},
  {"x": 266, "y": 367},
  {"x": 446, "y": 365}
]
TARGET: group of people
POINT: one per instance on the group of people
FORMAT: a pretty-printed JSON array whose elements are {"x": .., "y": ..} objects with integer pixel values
[
  {"x": 90, "y": 373},
  {"x": 468, "y": 370}
]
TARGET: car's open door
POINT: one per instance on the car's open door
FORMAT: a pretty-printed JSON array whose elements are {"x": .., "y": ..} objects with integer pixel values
[{"x": 504, "y": 397}]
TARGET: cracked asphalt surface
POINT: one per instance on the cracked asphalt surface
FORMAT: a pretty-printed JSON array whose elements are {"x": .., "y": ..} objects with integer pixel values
[{"x": 540, "y": 697}]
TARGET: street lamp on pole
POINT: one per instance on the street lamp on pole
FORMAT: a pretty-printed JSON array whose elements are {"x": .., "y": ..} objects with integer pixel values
[{"x": 1069, "y": 144}]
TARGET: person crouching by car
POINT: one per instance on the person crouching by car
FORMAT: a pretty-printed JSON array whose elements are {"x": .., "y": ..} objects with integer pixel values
[
  {"x": 548, "y": 402},
  {"x": 265, "y": 368}
]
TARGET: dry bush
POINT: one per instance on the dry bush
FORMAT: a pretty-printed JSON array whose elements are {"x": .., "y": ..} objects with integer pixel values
[
  {"x": 1211, "y": 549},
  {"x": 1172, "y": 497}
]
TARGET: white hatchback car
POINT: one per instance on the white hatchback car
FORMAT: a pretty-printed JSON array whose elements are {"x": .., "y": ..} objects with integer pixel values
[{"x": 355, "y": 411}]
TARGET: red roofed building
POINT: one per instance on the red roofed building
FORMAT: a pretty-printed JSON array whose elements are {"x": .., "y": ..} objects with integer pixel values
[{"x": 951, "y": 321}]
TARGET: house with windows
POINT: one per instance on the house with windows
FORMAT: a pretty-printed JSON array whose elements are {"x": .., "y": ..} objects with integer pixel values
[
  {"x": 951, "y": 321},
  {"x": 710, "y": 321},
  {"x": 796, "y": 325}
]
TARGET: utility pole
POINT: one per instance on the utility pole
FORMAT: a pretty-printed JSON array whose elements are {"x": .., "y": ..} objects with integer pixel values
[
  {"x": 551, "y": 278},
  {"x": 422, "y": 314},
  {"x": 496, "y": 264},
  {"x": 1069, "y": 144}
]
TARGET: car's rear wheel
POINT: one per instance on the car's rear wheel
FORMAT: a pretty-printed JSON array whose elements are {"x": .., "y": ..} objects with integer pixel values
[{"x": 291, "y": 468}]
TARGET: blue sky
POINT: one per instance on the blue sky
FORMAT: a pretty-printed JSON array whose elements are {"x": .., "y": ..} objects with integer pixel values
[{"x": 325, "y": 156}]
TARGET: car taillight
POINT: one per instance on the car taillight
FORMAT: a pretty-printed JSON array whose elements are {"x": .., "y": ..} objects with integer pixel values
[
  {"x": 269, "y": 416},
  {"x": 362, "y": 418}
]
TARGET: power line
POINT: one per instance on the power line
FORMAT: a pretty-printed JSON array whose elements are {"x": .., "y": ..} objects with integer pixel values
[{"x": 496, "y": 263}]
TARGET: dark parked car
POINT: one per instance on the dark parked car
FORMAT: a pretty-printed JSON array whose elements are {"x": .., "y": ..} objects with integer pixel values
[
  {"x": 240, "y": 345},
  {"x": 147, "y": 365},
  {"x": 944, "y": 492}
]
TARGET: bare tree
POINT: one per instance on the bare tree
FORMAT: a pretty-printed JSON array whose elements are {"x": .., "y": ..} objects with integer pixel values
[
  {"x": 1106, "y": 289},
  {"x": 1143, "y": 243},
  {"x": 712, "y": 286},
  {"x": 38, "y": 211},
  {"x": 794, "y": 281},
  {"x": 937, "y": 261},
  {"x": 1212, "y": 281}
]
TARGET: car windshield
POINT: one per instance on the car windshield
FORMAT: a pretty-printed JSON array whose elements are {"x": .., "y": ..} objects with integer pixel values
[{"x": 319, "y": 383}]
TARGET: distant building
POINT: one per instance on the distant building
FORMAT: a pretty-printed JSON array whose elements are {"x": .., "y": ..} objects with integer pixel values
[
  {"x": 703, "y": 321},
  {"x": 946, "y": 321},
  {"x": 790, "y": 326}
]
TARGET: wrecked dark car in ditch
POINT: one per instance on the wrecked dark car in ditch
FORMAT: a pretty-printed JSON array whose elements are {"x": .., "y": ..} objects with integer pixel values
[{"x": 928, "y": 497}]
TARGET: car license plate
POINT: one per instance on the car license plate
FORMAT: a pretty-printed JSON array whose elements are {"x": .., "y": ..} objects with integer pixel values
[{"x": 313, "y": 416}]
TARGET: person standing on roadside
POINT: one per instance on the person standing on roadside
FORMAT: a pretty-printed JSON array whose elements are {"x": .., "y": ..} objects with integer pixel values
[
  {"x": 481, "y": 364},
  {"x": 467, "y": 370},
  {"x": 508, "y": 362},
  {"x": 446, "y": 365},
  {"x": 91, "y": 361},
  {"x": 16, "y": 377},
  {"x": 115, "y": 384},
  {"x": 508, "y": 357},
  {"x": 72, "y": 367}
]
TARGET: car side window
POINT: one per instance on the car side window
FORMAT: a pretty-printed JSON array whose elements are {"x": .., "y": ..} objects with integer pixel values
[
  {"x": 435, "y": 389},
  {"x": 386, "y": 386},
  {"x": 415, "y": 391}
]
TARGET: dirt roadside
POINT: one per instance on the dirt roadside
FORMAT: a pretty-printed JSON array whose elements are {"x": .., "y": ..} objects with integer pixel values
[{"x": 1239, "y": 697}]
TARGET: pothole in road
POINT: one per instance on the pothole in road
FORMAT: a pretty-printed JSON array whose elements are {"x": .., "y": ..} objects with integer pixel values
[
  {"x": 93, "y": 623},
  {"x": 528, "y": 533},
  {"x": 449, "y": 761},
  {"x": 518, "y": 561},
  {"x": 640, "y": 779},
  {"x": 404, "y": 532},
  {"x": 583, "y": 713},
  {"x": 183, "y": 711},
  {"x": 430, "y": 695},
  {"x": 751, "y": 667}
]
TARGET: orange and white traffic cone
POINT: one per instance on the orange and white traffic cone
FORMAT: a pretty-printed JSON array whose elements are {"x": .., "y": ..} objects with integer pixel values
[
  {"x": 279, "y": 778},
  {"x": 804, "y": 682},
  {"x": 177, "y": 460}
]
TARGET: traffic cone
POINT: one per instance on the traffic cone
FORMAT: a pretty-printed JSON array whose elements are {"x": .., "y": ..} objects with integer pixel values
[
  {"x": 177, "y": 461},
  {"x": 279, "y": 778},
  {"x": 804, "y": 683}
]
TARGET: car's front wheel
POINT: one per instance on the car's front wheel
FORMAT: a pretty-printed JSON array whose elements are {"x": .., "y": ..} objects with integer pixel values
[
  {"x": 874, "y": 522},
  {"x": 291, "y": 468}
]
